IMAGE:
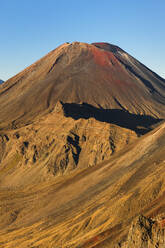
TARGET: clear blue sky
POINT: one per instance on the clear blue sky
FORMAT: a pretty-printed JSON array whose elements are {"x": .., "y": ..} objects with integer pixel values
[{"x": 31, "y": 28}]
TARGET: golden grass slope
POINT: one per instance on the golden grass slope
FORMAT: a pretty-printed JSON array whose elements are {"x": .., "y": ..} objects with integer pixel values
[{"x": 91, "y": 207}]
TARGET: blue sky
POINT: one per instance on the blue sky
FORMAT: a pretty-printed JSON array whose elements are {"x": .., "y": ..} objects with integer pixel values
[{"x": 31, "y": 28}]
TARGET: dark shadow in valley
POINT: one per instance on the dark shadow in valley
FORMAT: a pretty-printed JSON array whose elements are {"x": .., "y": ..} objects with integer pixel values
[{"x": 141, "y": 124}]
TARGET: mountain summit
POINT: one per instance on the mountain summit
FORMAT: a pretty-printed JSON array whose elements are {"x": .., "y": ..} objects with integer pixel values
[{"x": 99, "y": 74}]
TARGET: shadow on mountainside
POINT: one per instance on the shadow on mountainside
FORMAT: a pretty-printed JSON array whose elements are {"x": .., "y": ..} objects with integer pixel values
[{"x": 141, "y": 124}]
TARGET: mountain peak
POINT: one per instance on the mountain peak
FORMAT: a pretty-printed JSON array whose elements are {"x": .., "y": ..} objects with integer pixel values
[{"x": 99, "y": 74}]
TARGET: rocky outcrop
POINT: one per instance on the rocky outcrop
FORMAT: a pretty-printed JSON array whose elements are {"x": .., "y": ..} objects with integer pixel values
[
  {"x": 60, "y": 144},
  {"x": 146, "y": 233}
]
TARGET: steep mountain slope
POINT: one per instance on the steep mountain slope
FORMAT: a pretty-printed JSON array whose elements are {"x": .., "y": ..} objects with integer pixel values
[
  {"x": 92, "y": 208},
  {"x": 1, "y": 81},
  {"x": 94, "y": 89},
  {"x": 77, "y": 160},
  {"x": 102, "y": 75}
]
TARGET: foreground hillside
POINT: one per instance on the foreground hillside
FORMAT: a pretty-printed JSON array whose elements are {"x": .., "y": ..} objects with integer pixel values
[{"x": 93, "y": 206}]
